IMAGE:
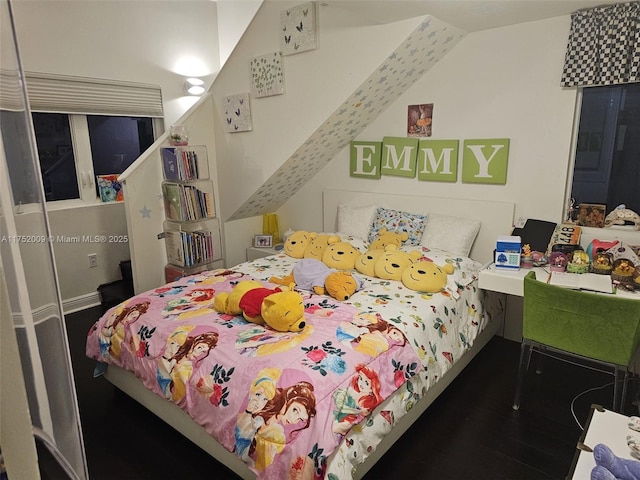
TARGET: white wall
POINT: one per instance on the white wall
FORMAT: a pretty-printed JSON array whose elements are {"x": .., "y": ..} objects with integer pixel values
[
  {"x": 495, "y": 84},
  {"x": 233, "y": 18}
]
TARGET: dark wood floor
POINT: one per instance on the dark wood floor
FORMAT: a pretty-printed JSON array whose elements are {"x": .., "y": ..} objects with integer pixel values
[{"x": 469, "y": 432}]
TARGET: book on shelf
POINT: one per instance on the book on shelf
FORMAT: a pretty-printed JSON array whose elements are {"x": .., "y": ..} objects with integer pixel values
[
  {"x": 185, "y": 202},
  {"x": 174, "y": 247},
  {"x": 180, "y": 164},
  {"x": 582, "y": 281},
  {"x": 170, "y": 164},
  {"x": 172, "y": 200},
  {"x": 188, "y": 249}
]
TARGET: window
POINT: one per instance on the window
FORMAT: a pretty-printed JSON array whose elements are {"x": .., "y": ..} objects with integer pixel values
[
  {"x": 83, "y": 127},
  {"x": 607, "y": 157},
  {"x": 73, "y": 149}
]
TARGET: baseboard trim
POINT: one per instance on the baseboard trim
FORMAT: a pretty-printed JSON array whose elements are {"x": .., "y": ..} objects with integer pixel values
[{"x": 71, "y": 305}]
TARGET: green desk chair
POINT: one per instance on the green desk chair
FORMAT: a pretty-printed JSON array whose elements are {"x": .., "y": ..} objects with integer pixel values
[{"x": 589, "y": 328}]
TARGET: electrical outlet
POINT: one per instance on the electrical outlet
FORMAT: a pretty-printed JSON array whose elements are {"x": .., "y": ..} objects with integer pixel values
[
  {"x": 520, "y": 222},
  {"x": 93, "y": 260}
]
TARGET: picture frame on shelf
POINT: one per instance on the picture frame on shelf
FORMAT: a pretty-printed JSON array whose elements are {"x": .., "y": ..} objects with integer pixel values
[
  {"x": 263, "y": 241},
  {"x": 591, "y": 215}
]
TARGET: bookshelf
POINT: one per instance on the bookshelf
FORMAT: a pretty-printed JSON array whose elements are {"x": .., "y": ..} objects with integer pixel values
[{"x": 191, "y": 229}]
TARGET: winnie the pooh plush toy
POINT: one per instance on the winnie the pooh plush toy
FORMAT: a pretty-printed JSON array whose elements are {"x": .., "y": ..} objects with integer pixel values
[
  {"x": 427, "y": 277},
  {"x": 312, "y": 274},
  {"x": 280, "y": 309},
  {"x": 365, "y": 263},
  {"x": 298, "y": 242},
  {"x": 393, "y": 262},
  {"x": 318, "y": 245},
  {"x": 341, "y": 256},
  {"x": 386, "y": 237}
]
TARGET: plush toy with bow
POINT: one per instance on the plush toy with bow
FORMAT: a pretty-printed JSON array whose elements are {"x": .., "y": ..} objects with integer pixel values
[
  {"x": 312, "y": 274},
  {"x": 282, "y": 310}
]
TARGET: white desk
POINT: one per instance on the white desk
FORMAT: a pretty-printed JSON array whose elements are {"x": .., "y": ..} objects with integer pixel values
[
  {"x": 607, "y": 427},
  {"x": 511, "y": 282}
]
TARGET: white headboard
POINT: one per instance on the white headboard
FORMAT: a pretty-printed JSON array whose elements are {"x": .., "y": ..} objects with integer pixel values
[{"x": 496, "y": 217}]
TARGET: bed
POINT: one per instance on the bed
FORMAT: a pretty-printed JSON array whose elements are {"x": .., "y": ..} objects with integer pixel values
[{"x": 326, "y": 402}]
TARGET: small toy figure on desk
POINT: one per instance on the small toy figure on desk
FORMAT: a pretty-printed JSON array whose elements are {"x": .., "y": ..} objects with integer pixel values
[
  {"x": 526, "y": 259},
  {"x": 558, "y": 262},
  {"x": 579, "y": 262},
  {"x": 602, "y": 263}
]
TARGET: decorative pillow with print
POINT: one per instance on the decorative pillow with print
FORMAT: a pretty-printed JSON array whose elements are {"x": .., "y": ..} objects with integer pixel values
[{"x": 399, "y": 221}]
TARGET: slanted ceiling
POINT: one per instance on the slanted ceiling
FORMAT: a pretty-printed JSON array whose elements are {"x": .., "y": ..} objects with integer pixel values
[{"x": 417, "y": 54}]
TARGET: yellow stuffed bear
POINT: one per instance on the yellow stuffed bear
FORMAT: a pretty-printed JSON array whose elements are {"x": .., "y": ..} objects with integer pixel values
[
  {"x": 318, "y": 245},
  {"x": 393, "y": 262},
  {"x": 386, "y": 237},
  {"x": 365, "y": 263},
  {"x": 281, "y": 310},
  {"x": 341, "y": 256},
  {"x": 298, "y": 242},
  {"x": 425, "y": 276}
]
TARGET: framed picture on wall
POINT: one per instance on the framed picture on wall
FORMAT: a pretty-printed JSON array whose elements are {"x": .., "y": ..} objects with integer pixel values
[
  {"x": 263, "y": 241},
  {"x": 267, "y": 75}
]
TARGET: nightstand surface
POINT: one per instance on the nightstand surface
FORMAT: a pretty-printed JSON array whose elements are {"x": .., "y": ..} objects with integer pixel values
[{"x": 260, "y": 252}]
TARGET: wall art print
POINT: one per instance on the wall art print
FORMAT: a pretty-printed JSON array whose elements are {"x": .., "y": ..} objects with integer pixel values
[
  {"x": 237, "y": 113},
  {"x": 267, "y": 75},
  {"x": 419, "y": 120},
  {"x": 299, "y": 31}
]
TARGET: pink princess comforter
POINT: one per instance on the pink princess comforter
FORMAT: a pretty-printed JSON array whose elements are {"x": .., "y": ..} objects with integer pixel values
[{"x": 281, "y": 402}]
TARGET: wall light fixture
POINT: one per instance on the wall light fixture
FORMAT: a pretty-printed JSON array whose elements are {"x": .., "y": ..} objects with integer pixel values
[{"x": 194, "y": 86}]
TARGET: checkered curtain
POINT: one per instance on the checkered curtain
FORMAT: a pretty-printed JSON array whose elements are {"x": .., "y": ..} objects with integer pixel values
[{"x": 604, "y": 46}]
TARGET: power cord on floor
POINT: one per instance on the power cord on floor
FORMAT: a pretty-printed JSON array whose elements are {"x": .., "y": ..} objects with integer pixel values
[{"x": 573, "y": 413}]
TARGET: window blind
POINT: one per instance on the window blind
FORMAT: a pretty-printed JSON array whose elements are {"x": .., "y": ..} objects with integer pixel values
[{"x": 92, "y": 96}]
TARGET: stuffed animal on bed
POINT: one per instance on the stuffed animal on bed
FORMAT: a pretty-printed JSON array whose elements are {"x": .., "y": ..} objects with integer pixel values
[
  {"x": 312, "y": 274},
  {"x": 610, "y": 467},
  {"x": 386, "y": 237},
  {"x": 318, "y": 245},
  {"x": 297, "y": 243},
  {"x": 341, "y": 256},
  {"x": 365, "y": 263},
  {"x": 393, "y": 262},
  {"x": 426, "y": 276},
  {"x": 282, "y": 310}
]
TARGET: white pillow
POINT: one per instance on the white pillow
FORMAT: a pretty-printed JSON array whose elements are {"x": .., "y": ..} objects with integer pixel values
[
  {"x": 355, "y": 221},
  {"x": 452, "y": 234}
]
